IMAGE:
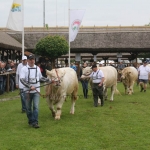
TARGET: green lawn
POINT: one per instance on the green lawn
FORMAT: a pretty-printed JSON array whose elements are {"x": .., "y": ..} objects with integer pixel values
[{"x": 123, "y": 124}]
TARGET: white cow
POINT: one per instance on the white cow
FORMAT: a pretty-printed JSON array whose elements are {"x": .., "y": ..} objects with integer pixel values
[
  {"x": 129, "y": 76},
  {"x": 110, "y": 74},
  {"x": 64, "y": 83}
]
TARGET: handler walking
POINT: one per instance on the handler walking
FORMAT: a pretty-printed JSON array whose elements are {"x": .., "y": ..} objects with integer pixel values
[
  {"x": 143, "y": 72},
  {"x": 84, "y": 82},
  {"x": 97, "y": 86},
  {"x": 19, "y": 84},
  {"x": 30, "y": 77}
]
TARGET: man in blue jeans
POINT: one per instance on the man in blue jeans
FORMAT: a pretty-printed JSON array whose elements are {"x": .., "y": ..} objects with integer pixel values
[
  {"x": 30, "y": 77},
  {"x": 19, "y": 84},
  {"x": 84, "y": 82}
]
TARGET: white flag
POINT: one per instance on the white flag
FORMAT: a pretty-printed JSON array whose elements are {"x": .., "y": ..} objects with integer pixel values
[
  {"x": 76, "y": 16},
  {"x": 15, "y": 20}
]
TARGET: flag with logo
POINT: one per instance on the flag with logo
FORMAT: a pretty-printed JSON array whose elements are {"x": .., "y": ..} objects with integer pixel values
[
  {"x": 76, "y": 16},
  {"x": 15, "y": 19}
]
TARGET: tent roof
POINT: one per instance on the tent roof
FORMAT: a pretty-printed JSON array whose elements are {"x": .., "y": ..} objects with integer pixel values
[{"x": 7, "y": 42}]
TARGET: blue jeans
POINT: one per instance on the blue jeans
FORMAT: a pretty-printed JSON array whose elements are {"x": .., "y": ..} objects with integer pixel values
[
  {"x": 1, "y": 87},
  {"x": 85, "y": 84},
  {"x": 23, "y": 101},
  {"x": 4, "y": 84},
  {"x": 32, "y": 104},
  {"x": 85, "y": 87},
  {"x": 11, "y": 84}
]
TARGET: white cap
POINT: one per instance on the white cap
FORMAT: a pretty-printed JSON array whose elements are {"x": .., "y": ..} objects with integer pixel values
[
  {"x": 24, "y": 57},
  {"x": 100, "y": 63}
]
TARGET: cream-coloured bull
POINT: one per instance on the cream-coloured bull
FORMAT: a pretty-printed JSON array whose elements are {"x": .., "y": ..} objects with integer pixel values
[
  {"x": 110, "y": 74},
  {"x": 129, "y": 76},
  {"x": 64, "y": 83}
]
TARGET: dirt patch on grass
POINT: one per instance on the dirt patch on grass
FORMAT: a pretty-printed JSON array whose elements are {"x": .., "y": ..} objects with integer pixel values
[{"x": 8, "y": 99}]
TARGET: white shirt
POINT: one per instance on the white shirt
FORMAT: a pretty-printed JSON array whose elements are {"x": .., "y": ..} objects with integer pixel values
[
  {"x": 97, "y": 76},
  {"x": 20, "y": 66},
  {"x": 144, "y": 71},
  {"x": 31, "y": 74}
]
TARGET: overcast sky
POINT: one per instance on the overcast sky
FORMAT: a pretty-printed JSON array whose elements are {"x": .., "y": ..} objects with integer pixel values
[{"x": 98, "y": 12}]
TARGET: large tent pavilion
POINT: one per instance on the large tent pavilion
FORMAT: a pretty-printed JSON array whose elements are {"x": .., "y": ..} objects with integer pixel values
[
  {"x": 9, "y": 47},
  {"x": 98, "y": 43}
]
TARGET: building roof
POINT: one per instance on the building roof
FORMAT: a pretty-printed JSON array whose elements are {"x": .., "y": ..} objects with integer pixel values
[{"x": 7, "y": 42}]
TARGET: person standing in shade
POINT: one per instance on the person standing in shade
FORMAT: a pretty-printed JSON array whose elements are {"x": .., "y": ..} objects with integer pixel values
[
  {"x": 120, "y": 67},
  {"x": 101, "y": 64},
  {"x": 97, "y": 85},
  {"x": 84, "y": 82},
  {"x": 73, "y": 66},
  {"x": 143, "y": 72},
  {"x": 19, "y": 84},
  {"x": 30, "y": 77}
]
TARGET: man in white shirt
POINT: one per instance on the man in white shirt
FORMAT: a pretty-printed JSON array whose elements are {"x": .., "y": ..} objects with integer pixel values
[
  {"x": 30, "y": 77},
  {"x": 143, "y": 72},
  {"x": 19, "y": 84},
  {"x": 97, "y": 86}
]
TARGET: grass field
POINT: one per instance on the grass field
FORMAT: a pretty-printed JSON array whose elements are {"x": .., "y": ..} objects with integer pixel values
[{"x": 123, "y": 124}]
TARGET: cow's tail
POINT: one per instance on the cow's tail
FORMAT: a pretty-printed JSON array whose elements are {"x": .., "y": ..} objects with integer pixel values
[{"x": 117, "y": 92}]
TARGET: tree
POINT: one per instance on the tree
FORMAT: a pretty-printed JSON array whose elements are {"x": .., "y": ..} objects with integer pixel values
[{"x": 52, "y": 47}]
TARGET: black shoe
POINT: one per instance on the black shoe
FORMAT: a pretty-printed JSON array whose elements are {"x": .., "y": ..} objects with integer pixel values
[
  {"x": 23, "y": 111},
  {"x": 141, "y": 89},
  {"x": 144, "y": 90},
  {"x": 30, "y": 124},
  {"x": 35, "y": 126}
]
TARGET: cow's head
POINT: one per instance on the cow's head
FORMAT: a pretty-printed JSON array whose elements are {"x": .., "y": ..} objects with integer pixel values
[
  {"x": 87, "y": 71},
  {"x": 125, "y": 74},
  {"x": 56, "y": 76}
]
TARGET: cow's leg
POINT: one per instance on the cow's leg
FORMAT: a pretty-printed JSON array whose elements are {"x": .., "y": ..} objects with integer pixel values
[
  {"x": 130, "y": 90},
  {"x": 126, "y": 89},
  {"x": 105, "y": 93},
  {"x": 73, "y": 100},
  {"x": 59, "y": 106},
  {"x": 113, "y": 88},
  {"x": 51, "y": 106}
]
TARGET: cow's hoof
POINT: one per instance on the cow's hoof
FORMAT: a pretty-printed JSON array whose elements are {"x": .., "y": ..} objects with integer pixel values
[
  {"x": 57, "y": 117},
  {"x": 111, "y": 100},
  {"x": 72, "y": 113},
  {"x": 53, "y": 114}
]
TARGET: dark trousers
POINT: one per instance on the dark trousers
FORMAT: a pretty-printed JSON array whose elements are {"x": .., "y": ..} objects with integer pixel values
[
  {"x": 97, "y": 92},
  {"x": 85, "y": 87}
]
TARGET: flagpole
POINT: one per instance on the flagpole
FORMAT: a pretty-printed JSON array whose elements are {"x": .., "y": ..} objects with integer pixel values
[
  {"x": 44, "y": 13},
  {"x": 23, "y": 28},
  {"x": 69, "y": 29}
]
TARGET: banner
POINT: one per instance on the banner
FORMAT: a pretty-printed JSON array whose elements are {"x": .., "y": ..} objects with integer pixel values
[
  {"x": 15, "y": 19},
  {"x": 76, "y": 16}
]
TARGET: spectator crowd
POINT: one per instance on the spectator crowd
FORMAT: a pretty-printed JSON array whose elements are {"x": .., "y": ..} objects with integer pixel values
[{"x": 10, "y": 68}]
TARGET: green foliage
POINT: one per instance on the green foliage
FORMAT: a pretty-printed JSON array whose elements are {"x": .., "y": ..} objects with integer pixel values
[
  {"x": 52, "y": 46},
  {"x": 119, "y": 125}
]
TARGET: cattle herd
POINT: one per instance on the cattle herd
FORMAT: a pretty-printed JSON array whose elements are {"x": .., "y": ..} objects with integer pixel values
[{"x": 65, "y": 83}]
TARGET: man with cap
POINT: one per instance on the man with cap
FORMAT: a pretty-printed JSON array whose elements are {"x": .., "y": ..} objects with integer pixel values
[
  {"x": 97, "y": 84},
  {"x": 143, "y": 72},
  {"x": 101, "y": 64},
  {"x": 30, "y": 77},
  {"x": 19, "y": 84}
]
